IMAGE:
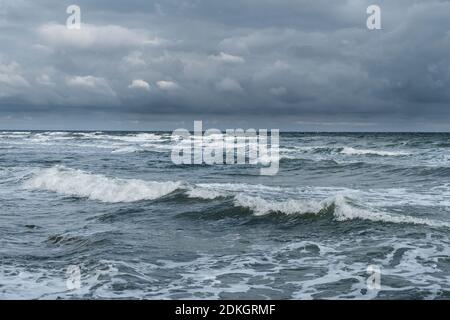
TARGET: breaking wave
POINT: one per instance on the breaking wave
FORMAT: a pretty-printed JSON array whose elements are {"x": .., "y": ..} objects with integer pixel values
[
  {"x": 126, "y": 150},
  {"x": 77, "y": 183},
  {"x": 339, "y": 205},
  {"x": 383, "y": 153},
  {"x": 204, "y": 193}
]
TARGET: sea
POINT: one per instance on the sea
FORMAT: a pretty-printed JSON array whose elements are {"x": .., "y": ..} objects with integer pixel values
[{"x": 108, "y": 215}]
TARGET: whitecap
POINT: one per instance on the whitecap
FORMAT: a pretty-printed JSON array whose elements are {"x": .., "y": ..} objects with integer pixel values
[
  {"x": 342, "y": 210},
  {"x": 353, "y": 151},
  {"x": 260, "y": 206},
  {"x": 205, "y": 193},
  {"x": 128, "y": 149},
  {"x": 81, "y": 184}
]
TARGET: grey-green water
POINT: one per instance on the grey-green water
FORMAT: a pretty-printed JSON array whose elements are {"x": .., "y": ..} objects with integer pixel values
[{"x": 139, "y": 226}]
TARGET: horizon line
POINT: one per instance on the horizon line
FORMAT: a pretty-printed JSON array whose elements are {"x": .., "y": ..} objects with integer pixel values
[{"x": 170, "y": 130}]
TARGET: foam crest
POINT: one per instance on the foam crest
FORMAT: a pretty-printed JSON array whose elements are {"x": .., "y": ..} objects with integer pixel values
[
  {"x": 383, "y": 153},
  {"x": 204, "y": 193},
  {"x": 98, "y": 187},
  {"x": 261, "y": 206},
  {"x": 126, "y": 150},
  {"x": 140, "y": 137},
  {"x": 342, "y": 210}
]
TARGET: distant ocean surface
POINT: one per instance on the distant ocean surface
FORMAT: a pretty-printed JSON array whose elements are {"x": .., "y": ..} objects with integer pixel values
[{"x": 139, "y": 226}]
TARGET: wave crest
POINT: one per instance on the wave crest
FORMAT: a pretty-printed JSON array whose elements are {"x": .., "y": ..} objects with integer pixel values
[
  {"x": 339, "y": 205},
  {"x": 81, "y": 184},
  {"x": 77, "y": 183},
  {"x": 261, "y": 206},
  {"x": 383, "y": 153}
]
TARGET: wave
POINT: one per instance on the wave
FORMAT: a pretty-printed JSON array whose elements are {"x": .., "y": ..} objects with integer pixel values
[
  {"x": 339, "y": 205},
  {"x": 260, "y": 206},
  {"x": 15, "y": 132},
  {"x": 136, "y": 138},
  {"x": 353, "y": 151},
  {"x": 61, "y": 137},
  {"x": 123, "y": 150},
  {"x": 77, "y": 183},
  {"x": 205, "y": 194},
  {"x": 344, "y": 211}
]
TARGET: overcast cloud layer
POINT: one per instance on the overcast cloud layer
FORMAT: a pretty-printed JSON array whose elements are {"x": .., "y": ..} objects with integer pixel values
[{"x": 289, "y": 64}]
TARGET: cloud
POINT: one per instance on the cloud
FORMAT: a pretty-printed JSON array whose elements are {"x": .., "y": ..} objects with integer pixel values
[
  {"x": 279, "y": 91},
  {"x": 91, "y": 83},
  {"x": 44, "y": 79},
  {"x": 134, "y": 59},
  {"x": 167, "y": 85},
  {"x": 139, "y": 84},
  {"x": 227, "y": 58},
  {"x": 229, "y": 85},
  {"x": 10, "y": 75},
  {"x": 300, "y": 61},
  {"x": 91, "y": 36}
]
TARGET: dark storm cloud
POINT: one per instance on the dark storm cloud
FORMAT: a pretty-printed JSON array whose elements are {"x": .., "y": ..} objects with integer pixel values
[{"x": 298, "y": 60}]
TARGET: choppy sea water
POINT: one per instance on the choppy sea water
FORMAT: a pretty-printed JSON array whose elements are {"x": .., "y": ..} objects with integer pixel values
[{"x": 139, "y": 226}]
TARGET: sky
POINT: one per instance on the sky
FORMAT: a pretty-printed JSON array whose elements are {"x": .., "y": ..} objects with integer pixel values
[{"x": 301, "y": 65}]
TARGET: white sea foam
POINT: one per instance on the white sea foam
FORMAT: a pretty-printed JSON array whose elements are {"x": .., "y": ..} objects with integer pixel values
[
  {"x": 385, "y": 197},
  {"x": 241, "y": 187},
  {"x": 204, "y": 193},
  {"x": 257, "y": 198},
  {"x": 261, "y": 206},
  {"x": 353, "y": 151},
  {"x": 98, "y": 187},
  {"x": 139, "y": 137},
  {"x": 96, "y": 139},
  {"x": 342, "y": 210},
  {"x": 15, "y": 132},
  {"x": 128, "y": 149}
]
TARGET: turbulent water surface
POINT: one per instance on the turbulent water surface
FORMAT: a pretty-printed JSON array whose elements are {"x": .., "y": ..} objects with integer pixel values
[{"x": 139, "y": 226}]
